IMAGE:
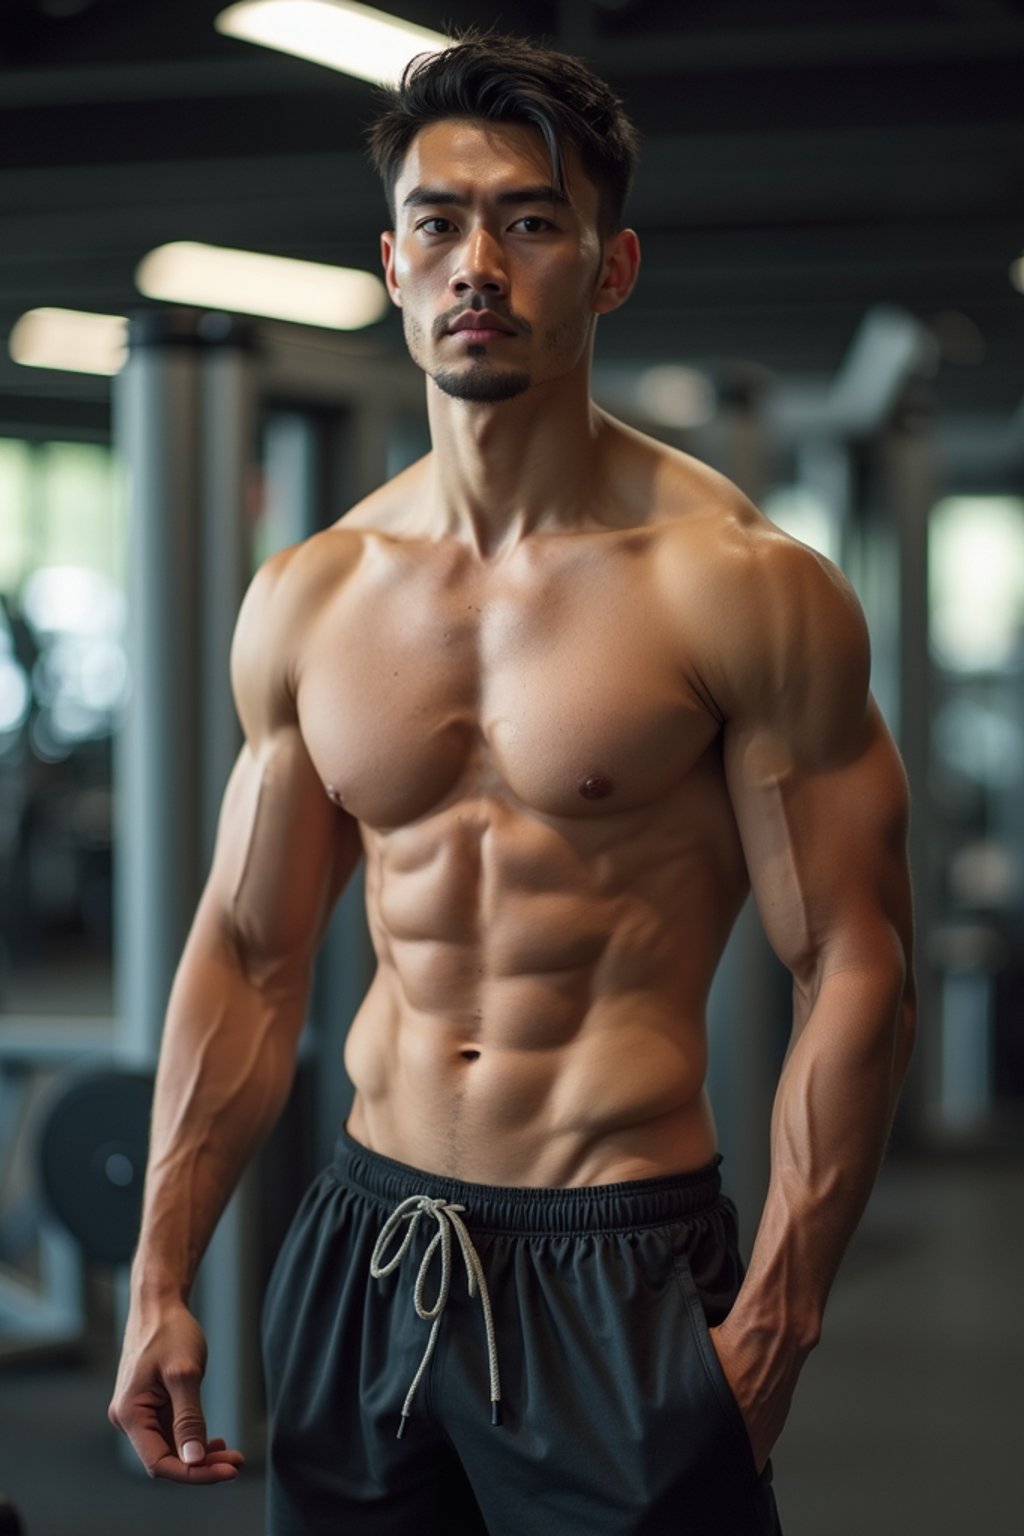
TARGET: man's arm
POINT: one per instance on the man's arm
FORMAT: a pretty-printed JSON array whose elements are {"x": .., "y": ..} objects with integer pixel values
[
  {"x": 821, "y": 802},
  {"x": 236, "y": 1011}
]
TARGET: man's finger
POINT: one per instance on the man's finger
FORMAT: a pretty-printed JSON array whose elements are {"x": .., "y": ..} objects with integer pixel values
[
  {"x": 187, "y": 1422},
  {"x": 224, "y": 1459},
  {"x": 160, "y": 1460},
  {"x": 175, "y": 1471}
]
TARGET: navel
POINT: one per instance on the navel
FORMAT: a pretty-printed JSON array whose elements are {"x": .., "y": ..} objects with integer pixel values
[
  {"x": 595, "y": 787},
  {"x": 470, "y": 1055}
]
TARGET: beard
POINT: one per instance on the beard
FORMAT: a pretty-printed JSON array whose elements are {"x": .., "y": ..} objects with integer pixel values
[
  {"x": 482, "y": 384},
  {"x": 480, "y": 381}
]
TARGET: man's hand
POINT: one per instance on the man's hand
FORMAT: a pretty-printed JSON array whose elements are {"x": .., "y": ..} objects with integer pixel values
[
  {"x": 156, "y": 1399},
  {"x": 761, "y": 1383}
]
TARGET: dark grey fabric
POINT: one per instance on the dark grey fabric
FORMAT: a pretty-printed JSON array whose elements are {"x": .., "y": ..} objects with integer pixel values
[{"x": 616, "y": 1417}]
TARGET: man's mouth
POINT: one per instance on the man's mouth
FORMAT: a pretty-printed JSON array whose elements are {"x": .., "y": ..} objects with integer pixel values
[{"x": 480, "y": 325}]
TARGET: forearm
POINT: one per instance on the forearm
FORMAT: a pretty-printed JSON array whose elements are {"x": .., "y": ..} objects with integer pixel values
[
  {"x": 226, "y": 1067},
  {"x": 832, "y": 1115}
]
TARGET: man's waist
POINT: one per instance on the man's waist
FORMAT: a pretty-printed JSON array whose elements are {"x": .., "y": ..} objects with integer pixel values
[{"x": 611, "y": 1205}]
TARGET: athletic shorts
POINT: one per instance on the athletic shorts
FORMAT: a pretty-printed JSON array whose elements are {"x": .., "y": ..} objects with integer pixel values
[{"x": 574, "y": 1392}]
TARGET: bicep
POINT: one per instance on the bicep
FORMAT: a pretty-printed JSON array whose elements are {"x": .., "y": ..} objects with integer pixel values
[
  {"x": 825, "y": 842},
  {"x": 283, "y": 853}
]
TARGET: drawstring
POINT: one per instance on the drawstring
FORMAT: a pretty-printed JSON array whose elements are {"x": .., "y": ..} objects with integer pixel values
[{"x": 447, "y": 1216}]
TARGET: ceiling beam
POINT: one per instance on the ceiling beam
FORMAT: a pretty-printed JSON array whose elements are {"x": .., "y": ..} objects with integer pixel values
[
  {"x": 806, "y": 47},
  {"x": 987, "y": 30},
  {"x": 164, "y": 80}
]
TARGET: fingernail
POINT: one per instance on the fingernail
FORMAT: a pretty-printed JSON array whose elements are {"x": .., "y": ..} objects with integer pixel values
[{"x": 193, "y": 1451}]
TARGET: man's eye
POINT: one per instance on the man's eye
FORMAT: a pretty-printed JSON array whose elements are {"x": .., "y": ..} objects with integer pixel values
[
  {"x": 533, "y": 224},
  {"x": 437, "y": 226}
]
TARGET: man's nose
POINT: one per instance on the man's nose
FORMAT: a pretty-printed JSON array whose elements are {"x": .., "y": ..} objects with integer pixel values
[{"x": 481, "y": 266}]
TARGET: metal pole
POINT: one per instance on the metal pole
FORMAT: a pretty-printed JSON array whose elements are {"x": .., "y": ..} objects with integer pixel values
[
  {"x": 157, "y": 870},
  {"x": 227, "y": 446},
  {"x": 292, "y": 474}
]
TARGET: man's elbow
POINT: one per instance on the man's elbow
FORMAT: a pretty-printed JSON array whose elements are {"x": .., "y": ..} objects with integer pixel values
[{"x": 873, "y": 979}]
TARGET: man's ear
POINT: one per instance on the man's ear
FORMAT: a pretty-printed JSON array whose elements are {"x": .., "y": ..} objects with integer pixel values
[
  {"x": 619, "y": 271},
  {"x": 387, "y": 256}
]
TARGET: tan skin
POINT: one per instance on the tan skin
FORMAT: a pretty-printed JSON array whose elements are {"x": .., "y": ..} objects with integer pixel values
[{"x": 572, "y": 696}]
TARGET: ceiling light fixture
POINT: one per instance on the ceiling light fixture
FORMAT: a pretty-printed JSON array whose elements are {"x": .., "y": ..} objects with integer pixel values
[
  {"x": 249, "y": 283},
  {"x": 1017, "y": 274},
  {"x": 342, "y": 34},
  {"x": 72, "y": 340}
]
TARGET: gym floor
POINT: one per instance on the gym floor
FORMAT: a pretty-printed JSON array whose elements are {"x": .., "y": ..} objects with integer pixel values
[{"x": 909, "y": 1417}]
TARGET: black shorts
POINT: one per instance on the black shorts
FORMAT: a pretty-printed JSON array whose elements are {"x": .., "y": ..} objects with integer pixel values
[{"x": 615, "y": 1416}]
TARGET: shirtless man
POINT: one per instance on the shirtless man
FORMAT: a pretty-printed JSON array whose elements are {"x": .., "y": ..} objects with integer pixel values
[{"x": 572, "y": 696}]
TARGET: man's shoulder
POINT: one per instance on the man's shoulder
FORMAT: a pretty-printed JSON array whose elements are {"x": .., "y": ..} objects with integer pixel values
[
  {"x": 790, "y": 627},
  {"x": 759, "y": 608},
  {"x": 291, "y": 583},
  {"x": 717, "y": 533},
  {"x": 287, "y": 593}
]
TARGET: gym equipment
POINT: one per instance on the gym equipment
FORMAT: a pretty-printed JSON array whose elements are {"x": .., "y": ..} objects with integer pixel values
[{"x": 92, "y": 1159}]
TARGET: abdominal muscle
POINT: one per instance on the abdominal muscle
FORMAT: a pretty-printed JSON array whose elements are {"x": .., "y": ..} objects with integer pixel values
[{"x": 537, "y": 1016}]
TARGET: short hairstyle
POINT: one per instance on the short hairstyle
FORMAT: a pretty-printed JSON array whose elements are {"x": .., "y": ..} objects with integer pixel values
[{"x": 511, "y": 80}]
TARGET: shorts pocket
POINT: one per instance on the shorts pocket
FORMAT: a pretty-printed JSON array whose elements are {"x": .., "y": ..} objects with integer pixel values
[{"x": 729, "y": 1408}]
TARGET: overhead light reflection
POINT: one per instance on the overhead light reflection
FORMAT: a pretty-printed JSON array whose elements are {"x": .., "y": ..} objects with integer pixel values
[
  {"x": 342, "y": 34},
  {"x": 247, "y": 282},
  {"x": 674, "y": 396},
  {"x": 71, "y": 340},
  {"x": 976, "y": 581}
]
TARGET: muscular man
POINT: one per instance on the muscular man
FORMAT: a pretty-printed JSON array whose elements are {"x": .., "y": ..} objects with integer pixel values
[{"x": 572, "y": 696}]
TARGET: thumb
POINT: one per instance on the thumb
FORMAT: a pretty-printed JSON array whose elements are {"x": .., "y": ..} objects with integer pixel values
[{"x": 187, "y": 1420}]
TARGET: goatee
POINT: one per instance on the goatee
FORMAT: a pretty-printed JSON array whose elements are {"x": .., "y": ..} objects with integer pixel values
[{"x": 481, "y": 385}]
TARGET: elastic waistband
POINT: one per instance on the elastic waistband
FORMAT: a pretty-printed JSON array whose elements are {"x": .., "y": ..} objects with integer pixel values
[{"x": 494, "y": 1208}]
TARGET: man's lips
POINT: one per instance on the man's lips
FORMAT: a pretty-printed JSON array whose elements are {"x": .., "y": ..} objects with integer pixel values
[{"x": 480, "y": 324}]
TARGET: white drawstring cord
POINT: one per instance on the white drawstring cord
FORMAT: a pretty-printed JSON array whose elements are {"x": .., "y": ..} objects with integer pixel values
[{"x": 447, "y": 1216}]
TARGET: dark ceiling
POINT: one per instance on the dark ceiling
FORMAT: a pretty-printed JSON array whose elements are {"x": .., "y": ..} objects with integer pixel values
[{"x": 802, "y": 162}]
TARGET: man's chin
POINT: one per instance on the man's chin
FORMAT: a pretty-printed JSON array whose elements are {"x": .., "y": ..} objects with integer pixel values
[{"x": 483, "y": 385}]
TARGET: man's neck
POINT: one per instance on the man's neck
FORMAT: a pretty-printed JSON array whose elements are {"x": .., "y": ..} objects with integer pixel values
[{"x": 503, "y": 471}]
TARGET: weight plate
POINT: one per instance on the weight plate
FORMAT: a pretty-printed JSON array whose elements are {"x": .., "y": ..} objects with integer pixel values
[{"x": 92, "y": 1154}]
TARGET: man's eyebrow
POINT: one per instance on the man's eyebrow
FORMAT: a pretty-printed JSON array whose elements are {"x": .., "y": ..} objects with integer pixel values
[{"x": 433, "y": 197}]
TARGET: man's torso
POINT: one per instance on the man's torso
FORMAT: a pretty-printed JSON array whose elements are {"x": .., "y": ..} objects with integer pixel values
[{"x": 534, "y": 758}]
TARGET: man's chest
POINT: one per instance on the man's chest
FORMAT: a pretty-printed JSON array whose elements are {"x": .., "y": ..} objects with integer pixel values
[{"x": 566, "y": 691}]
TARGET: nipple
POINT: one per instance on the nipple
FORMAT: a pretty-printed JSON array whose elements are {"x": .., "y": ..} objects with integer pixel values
[
  {"x": 334, "y": 795},
  {"x": 595, "y": 786}
]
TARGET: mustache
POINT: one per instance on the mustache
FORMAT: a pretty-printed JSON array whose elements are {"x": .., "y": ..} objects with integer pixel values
[{"x": 475, "y": 305}]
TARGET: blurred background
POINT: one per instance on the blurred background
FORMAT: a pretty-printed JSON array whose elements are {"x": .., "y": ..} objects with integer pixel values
[{"x": 831, "y": 311}]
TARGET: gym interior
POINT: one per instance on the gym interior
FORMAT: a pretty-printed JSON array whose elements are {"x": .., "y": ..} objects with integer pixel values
[{"x": 831, "y": 311}]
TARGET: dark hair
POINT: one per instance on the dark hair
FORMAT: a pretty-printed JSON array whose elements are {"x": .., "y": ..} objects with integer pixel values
[{"x": 511, "y": 80}]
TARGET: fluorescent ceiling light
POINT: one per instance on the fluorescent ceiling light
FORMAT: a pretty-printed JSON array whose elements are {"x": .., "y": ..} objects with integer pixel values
[
  {"x": 339, "y": 33},
  {"x": 249, "y": 283},
  {"x": 1017, "y": 274},
  {"x": 69, "y": 339}
]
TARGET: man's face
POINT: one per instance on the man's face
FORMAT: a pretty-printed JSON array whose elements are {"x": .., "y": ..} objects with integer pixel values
[{"x": 496, "y": 274}]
